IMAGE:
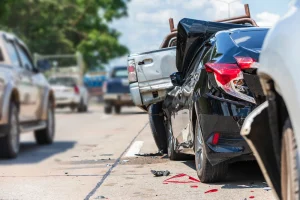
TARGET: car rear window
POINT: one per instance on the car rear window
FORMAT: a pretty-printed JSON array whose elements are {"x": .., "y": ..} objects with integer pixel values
[
  {"x": 250, "y": 39},
  {"x": 120, "y": 73},
  {"x": 65, "y": 81}
]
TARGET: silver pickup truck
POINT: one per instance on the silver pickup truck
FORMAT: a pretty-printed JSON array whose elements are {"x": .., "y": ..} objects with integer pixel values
[
  {"x": 26, "y": 99},
  {"x": 149, "y": 82}
]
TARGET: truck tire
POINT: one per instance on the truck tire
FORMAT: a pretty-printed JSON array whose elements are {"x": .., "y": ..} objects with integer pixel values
[
  {"x": 205, "y": 171},
  {"x": 46, "y": 135},
  {"x": 10, "y": 144},
  {"x": 289, "y": 166},
  {"x": 157, "y": 126},
  {"x": 117, "y": 109}
]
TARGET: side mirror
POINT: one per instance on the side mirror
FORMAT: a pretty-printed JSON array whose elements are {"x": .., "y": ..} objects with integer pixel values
[
  {"x": 43, "y": 65},
  {"x": 177, "y": 79}
]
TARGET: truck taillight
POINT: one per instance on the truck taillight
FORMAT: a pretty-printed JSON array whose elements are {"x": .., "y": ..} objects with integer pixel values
[
  {"x": 230, "y": 78},
  {"x": 131, "y": 72},
  {"x": 76, "y": 89}
]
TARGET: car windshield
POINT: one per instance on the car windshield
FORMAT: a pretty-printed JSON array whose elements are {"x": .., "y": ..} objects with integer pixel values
[
  {"x": 250, "y": 39},
  {"x": 67, "y": 81},
  {"x": 120, "y": 73}
]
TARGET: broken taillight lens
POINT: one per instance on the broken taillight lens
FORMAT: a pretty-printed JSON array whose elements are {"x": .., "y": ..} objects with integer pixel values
[
  {"x": 132, "y": 77},
  {"x": 244, "y": 62},
  {"x": 230, "y": 78}
]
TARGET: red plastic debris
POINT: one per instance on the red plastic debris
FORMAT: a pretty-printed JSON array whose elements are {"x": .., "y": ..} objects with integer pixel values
[
  {"x": 211, "y": 191},
  {"x": 181, "y": 178},
  {"x": 252, "y": 191},
  {"x": 251, "y": 197},
  {"x": 194, "y": 186}
]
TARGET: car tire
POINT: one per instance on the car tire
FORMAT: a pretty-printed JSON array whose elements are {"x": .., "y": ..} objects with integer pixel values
[
  {"x": 46, "y": 135},
  {"x": 172, "y": 153},
  {"x": 107, "y": 109},
  {"x": 10, "y": 144},
  {"x": 289, "y": 166},
  {"x": 80, "y": 107},
  {"x": 205, "y": 171},
  {"x": 117, "y": 109},
  {"x": 157, "y": 126}
]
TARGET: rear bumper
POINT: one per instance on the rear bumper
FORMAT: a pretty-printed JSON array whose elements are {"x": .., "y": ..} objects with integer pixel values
[
  {"x": 61, "y": 102},
  {"x": 135, "y": 94},
  {"x": 118, "y": 99},
  {"x": 231, "y": 145}
]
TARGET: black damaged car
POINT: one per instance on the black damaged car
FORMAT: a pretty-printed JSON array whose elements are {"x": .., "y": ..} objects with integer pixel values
[{"x": 212, "y": 94}]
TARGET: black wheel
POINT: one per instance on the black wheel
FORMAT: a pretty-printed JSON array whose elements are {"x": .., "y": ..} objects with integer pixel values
[
  {"x": 80, "y": 107},
  {"x": 289, "y": 167},
  {"x": 107, "y": 109},
  {"x": 157, "y": 125},
  {"x": 46, "y": 135},
  {"x": 117, "y": 109},
  {"x": 205, "y": 171},
  {"x": 10, "y": 144},
  {"x": 172, "y": 154}
]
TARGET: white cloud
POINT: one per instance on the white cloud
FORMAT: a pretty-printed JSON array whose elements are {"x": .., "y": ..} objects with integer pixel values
[
  {"x": 267, "y": 19},
  {"x": 158, "y": 17}
]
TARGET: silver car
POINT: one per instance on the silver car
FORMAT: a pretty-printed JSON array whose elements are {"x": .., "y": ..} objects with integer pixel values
[{"x": 26, "y": 99}]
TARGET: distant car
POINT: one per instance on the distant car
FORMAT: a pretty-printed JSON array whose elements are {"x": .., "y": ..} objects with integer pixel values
[
  {"x": 273, "y": 129},
  {"x": 116, "y": 90},
  {"x": 70, "y": 92},
  {"x": 27, "y": 100}
]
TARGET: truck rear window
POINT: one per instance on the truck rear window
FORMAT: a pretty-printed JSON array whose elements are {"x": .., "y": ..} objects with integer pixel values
[
  {"x": 120, "y": 73},
  {"x": 250, "y": 39}
]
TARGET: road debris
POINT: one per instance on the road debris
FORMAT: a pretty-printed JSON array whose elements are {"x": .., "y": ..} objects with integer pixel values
[
  {"x": 181, "y": 178},
  {"x": 211, "y": 191},
  {"x": 194, "y": 186},
  {"x": 160, "y": 173},
  {"x": 251, "y": 197},
  {"x": 125, "y": 161}
]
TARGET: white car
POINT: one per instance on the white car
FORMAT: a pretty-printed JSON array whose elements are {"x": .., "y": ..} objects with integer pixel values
[
  {"x": 69, "y": 92},
  {"x": 273, "y": 129}
]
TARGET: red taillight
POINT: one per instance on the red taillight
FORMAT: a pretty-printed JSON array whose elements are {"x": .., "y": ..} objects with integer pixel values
[
  {"x": 215, "y": 139},
  {"x": 76, "y": 89},
  {"x": 244, "y": 62},
  {"x": 224, "y": 72},
  {"x": 132, "y": 77}
]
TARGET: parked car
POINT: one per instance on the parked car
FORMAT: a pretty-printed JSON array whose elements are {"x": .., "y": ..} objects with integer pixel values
[
  {"x": 116, "y": 90},
  {"x": 70, "y": 92},
  {"x": 272, "y": 130},
  {"x": 27, "y": 100}
]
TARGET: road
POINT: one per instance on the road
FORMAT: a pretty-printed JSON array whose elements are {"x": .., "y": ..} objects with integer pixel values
[{"x": 93, "y": 157}]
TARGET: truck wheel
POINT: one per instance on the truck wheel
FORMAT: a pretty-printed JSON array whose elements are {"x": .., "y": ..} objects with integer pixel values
[
  {"x": 10, "y": 144},
  {"x": 205, "y": 171},
  {"x": 118, "y": 109},
  {"x": 46, "y": 135},
  {"x": 173, "y": 155},
  {"x": 157, "y": 126},
  {"x": 107, "y": 109},
  {"x": 289, "y": 168}
]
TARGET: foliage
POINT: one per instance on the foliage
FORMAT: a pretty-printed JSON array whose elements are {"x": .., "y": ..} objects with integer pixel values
[{"x": 65, "y": 26}]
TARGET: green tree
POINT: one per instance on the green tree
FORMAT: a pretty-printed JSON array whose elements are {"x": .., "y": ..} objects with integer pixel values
[{"x": 65, "y": 26}]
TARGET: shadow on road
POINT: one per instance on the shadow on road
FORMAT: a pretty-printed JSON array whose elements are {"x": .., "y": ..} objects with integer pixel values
[
  {"x": 241, "y": 175},
  {"x": 30, "y": 152},
  {"x": 131, "y": 113}
]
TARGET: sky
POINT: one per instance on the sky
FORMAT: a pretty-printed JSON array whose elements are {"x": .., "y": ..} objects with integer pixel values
[{"x": 147, "y": 22}]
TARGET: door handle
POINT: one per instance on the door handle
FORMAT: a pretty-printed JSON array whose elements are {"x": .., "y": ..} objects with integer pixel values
[{"x": 146, "y": 61}]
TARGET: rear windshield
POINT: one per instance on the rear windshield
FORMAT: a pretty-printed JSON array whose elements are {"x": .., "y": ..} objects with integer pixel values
[
  {"x": 65, "y": 81},
  {"x": 250, "y": 39},
  {"x": 120, "y": 73}
]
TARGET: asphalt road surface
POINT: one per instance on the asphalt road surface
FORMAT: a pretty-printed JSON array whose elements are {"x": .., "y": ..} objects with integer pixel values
[{"x": 93, "y": 157}]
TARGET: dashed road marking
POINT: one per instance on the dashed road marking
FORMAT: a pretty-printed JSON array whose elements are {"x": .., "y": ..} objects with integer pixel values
[{"x": 134, "y": 149}]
